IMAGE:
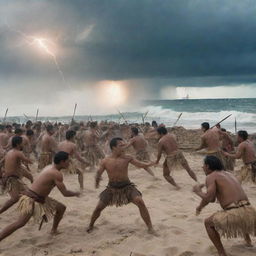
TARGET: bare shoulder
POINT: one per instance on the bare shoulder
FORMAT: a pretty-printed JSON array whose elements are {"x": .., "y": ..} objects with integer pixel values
[
  {"x": 19, "y": 153},
  {"x": 211, "y": 177},
  {"x": 160, "y": 142},
  {"x": 173, "y": 136},
  {"x": 132, "y": 139},
  {"x": 53, "y": 172},
  {"x": 242, "y": 145},
  {"x": 128, "y": 157},
  {"x": 105, "y": 160}
]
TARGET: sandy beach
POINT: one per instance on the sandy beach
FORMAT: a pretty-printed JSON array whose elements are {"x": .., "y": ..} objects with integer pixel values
[{"x": 121, "y": 231}]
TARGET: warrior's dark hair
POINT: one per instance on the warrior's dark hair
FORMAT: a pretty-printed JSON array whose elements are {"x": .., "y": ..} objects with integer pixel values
[
  {"x": 154, "y": 123},
  {"x": 70, "y": 134},
  {"x": 18, "y": 131},
  {"x": 205, "y": 125},
  {"x": 49, "y": 127},
  {"x": 214, "y": 163},
  {"x": 162, "y": 130},
  {"x": 16, "y": 140},
  {"x": 243, "y": 134},
  {"x": 135, "y": 130},
  {"x": 113, "y": 142},
  {"x": 60, "y": 156},
  {"x": 30, "y": 132}
]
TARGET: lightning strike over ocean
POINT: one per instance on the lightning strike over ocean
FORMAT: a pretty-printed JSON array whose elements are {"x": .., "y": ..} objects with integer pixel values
[{"x": 43, "y": 44}]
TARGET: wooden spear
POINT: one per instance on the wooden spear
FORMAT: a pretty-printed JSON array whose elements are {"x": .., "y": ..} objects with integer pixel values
[
  {"x": 222, "y": 120},
  {"x": 26, "y": 116},
  {"x": 121, "y": 115},
  {"x": 235, "y": 126},
  {"x": 144, "y": 116},
  {"x": 74, "y": 112},
  {"x": 5, "y": 115},
  {"x": 37, "y": 111},
  {"x": 178, "y": 119}
]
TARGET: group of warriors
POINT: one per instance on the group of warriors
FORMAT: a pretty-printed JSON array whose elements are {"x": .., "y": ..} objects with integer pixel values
[{"x": 58, "y": 148}]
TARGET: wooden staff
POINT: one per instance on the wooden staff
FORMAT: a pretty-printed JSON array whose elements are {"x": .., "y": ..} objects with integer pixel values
[
  {"x": 235, "y": 126},
  {"x": 121, "y": 115},
  {"x": 178, "y": 119},
  {"x": 37, "y": 111},
  {"x": 144, "y": 116},
  {"x": 26, "y": 116},
  {"x": 222, "y": 120},
  {"x": 5, "y": 115},
  {"x": 74, "y": 112}
]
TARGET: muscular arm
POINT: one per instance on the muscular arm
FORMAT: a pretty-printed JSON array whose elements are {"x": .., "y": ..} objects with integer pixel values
[
  {"x": 140, "y": 164},
  {"x": 130, "y": 143},
  {"x": 53, "y": 145},
  {"x": 28, "y": 175},
  {"x": 238, "y": 154},
  {"x": 24, "y": 159},
  {"x": 62, "y": 188},
  {"x": 99, "y": 173},
  {"x": 78, "y": 156},
  {"x": 159, "y": 154},
  {"x": 202, "y": 145},
  {"x": 209, "y": 196}
]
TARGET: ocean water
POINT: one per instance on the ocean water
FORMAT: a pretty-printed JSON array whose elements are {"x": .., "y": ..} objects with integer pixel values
[{"x": 194, "y": 112}]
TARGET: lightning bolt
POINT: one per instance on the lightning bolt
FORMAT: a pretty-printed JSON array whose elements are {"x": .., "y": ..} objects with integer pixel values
[{"x": 44, "y": 45}]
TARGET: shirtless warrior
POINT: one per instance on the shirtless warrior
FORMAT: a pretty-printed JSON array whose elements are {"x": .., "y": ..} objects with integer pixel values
[
  {"x": 48, "y": 147},
  {"x": 247, "y": 152},
  {"x": 120, "y": 190},
  {"x": 92, "y": 153},
  {"x": 36, "y": 202},
  {"x": 174, "y": 156},
  {"x": 13, "y": 173},
  {"x": 210, "y": 140},
  {"x": 238, "y": 217},
  {"x": 70, "y": 147},
  {"x": 140, "y": 146}
]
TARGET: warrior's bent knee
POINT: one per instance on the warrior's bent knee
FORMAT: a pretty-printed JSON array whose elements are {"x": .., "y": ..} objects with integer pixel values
[
  {"x": 139, "y": 202},
  {"x": 61, "y": 208},
  {"x": 208, "y": 222},
  {"x": 166, "y": 176}
]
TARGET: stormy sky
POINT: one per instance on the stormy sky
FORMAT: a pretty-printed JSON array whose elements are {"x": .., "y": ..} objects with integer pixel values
[{"x": 157, "y": 49}]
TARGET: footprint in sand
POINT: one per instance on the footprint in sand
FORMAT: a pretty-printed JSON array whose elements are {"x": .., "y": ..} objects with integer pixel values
[
  {"x": 151, "y": 187},
  {"x": 170, "y": 251},
  {"x": 136, "y": 254},
  {"x": 180, "y": 216},
  {"x": 164, "y": 200},
  {"x": 186, "y": 253}
]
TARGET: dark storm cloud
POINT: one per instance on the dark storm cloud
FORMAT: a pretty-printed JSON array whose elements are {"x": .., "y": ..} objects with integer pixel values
[{"x": 203, "y": 42}]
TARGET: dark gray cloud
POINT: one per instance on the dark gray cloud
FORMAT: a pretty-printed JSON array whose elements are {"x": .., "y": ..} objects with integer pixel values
[{"x": 196, "y": 42}]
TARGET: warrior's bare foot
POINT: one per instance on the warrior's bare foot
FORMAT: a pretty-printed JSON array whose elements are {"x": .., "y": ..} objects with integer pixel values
[
  {"x": 90, "y": 229},
  {"x": 55, "y": 232},
  {"x": 151, "y": 231},
  {"x": 177, "y": 187},
  {"x": 248, "y": 244},
  {"x": 248, "y": 241}
]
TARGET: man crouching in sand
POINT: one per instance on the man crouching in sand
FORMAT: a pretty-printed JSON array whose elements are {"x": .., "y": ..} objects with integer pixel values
[
  {"x": 120, "y": 190},
  {"x": 36, "y": 203},
  {"x": 238, "y": 217}
]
